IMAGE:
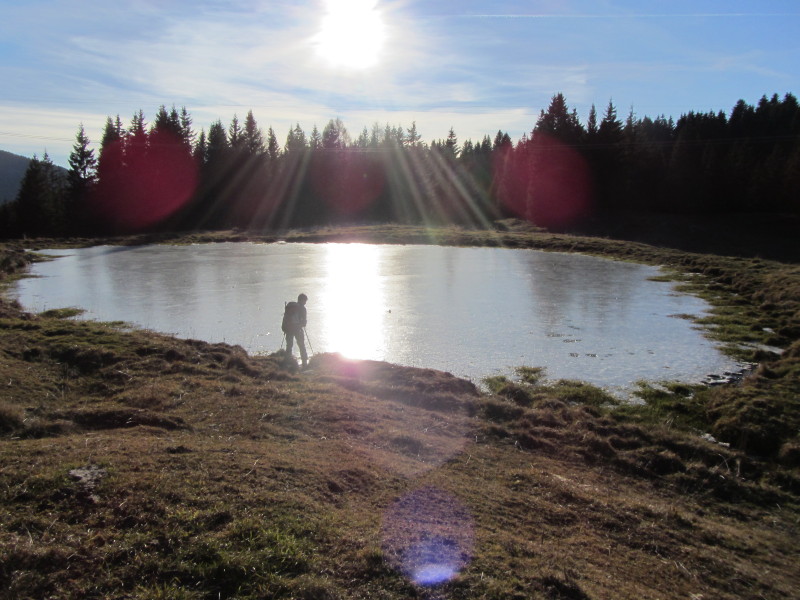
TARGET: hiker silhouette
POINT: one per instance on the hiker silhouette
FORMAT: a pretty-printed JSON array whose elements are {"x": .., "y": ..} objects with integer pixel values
[{"x": 294, "y": 320}]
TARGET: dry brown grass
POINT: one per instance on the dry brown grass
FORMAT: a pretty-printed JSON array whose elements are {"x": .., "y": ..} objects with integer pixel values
[
  {"x": 226, "y": 476},
  {"x": 223, "y": 475}
]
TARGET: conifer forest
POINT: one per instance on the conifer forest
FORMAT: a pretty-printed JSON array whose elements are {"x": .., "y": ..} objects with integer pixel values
[{"x": 166, "y": 175}]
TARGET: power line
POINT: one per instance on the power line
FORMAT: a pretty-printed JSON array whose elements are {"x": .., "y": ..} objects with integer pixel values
[{"x": 35, "y": 137}]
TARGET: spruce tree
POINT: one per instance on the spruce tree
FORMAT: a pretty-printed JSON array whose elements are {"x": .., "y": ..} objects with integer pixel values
[
  {"x": 218, "y": 147},
  {"x": 451, "y": 147},
  {"x": 375, "y": 135},
  {"x": 501, "y": 141},
  {"x": 169, "y": 123},
  {"x": 334, "y": 135},
  {"x": 135, "y": 143},
  {"x": 82, "y": 162},
  {"x": 40, "y": 201},
  {"x": 558, "y": 122},
  {"x": 187, "y": 134},
  {"x": 315, "y": 141},
  {"x": 252, "y": 138},
  {"x": 235, "y": 134},
  {"x": 467, "y": 151},
  {"x": 81, "y": 179},
  {"x": 362, "y": 141},
  {"x": 273, "y": 150},
  {"x": 399, "y": 136},
  {"x": 200, "y": 152},
  {"x": 412, "y": 136},
  {"x": 30, "y": 197},
  {"x": 296, "y": 140},
  {"x": 112, "y": 133},
  {"x": 138, "y": 125},
  {"x": 389, "y": 136},
  {"x": 591, "y": 124},
  {"x": 162, "y": 119},
  {"x": 290, "y": 144},
  {"x": 610, "y": 130},
  {"x": 330, "y": 136}
]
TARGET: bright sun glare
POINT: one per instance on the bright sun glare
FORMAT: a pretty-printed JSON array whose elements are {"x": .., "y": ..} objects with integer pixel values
[
  {"x": 352, "y": 34},
  {"x": 354, "y": 301}
]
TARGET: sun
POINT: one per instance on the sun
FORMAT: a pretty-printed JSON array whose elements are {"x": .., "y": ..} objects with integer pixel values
[{"x": 352, "y": 34}]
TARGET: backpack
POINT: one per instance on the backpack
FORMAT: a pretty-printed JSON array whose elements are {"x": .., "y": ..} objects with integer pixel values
[{"x": 291, "y": 320}]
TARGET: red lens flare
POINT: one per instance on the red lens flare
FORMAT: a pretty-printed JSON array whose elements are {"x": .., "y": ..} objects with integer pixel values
[
  {"x": 349, "y": 182},
  {"x": 143, "y": 182},
  {"x": 544, "y": 181}
]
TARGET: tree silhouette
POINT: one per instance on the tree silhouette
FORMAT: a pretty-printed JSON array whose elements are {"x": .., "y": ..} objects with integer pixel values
[
  {"x": 555, "y": 175},
  {"x": 81, "y": 179},
  {"x": 40, "y": 201}
]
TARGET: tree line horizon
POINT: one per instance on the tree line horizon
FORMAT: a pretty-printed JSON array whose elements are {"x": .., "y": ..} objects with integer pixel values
[{"x": 166, "y": 176}]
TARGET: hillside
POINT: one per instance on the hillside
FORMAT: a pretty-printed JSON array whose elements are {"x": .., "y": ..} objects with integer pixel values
[
  {"x": 136, "y": 465},
  {"x": 12, "y": 169}
]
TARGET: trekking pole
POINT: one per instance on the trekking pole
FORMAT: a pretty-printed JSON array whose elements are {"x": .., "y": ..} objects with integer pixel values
[
  {"x": 310, "y": 345},
  {"x": 283, "y": 340}
]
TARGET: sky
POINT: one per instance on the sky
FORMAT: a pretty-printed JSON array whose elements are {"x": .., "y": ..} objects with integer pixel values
[{"x": 475, "y": 67}]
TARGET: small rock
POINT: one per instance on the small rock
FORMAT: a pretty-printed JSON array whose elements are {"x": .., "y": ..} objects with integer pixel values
[{"x": 88, "y": 478}]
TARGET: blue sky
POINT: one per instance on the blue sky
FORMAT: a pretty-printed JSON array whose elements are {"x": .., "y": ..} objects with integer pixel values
[{"x": 474, "y": 66}]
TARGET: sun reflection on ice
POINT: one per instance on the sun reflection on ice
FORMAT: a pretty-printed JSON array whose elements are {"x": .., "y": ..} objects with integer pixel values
[{"x": 353, "y": 301}]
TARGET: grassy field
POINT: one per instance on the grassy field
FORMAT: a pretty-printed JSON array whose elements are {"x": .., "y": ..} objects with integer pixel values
[{"x": 135, "y": 465}]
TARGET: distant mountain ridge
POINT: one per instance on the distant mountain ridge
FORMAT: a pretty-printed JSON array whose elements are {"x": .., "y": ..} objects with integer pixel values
[{"x": 12, "y": 170}]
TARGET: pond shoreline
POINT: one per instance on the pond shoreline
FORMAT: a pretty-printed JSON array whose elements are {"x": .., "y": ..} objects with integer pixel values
[
  {"x": 756, "y": 302},
  {"x": 217, "y": 473},
  {"x": 567, "y": 311}
]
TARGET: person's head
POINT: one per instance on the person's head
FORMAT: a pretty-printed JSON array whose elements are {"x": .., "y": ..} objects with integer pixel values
[{"x": 302, "y": 299}]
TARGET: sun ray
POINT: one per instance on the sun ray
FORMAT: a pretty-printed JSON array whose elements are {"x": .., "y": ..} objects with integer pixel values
[{"x": 405, "y": 170}]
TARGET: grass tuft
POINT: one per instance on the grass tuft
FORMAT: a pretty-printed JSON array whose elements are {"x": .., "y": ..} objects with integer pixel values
[
  {"x": 63, "y": 313},
  {"x": 532, "y": 390},
  {"x": 11, "y": 418}
]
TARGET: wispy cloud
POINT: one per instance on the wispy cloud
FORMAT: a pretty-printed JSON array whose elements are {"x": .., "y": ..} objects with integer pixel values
[
  {"x": 63, "y": 62},
  {"x": 714, "y": 15}
]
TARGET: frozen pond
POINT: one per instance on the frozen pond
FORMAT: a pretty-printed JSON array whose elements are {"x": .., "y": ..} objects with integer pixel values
[{"x": 471, "y": 311}]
